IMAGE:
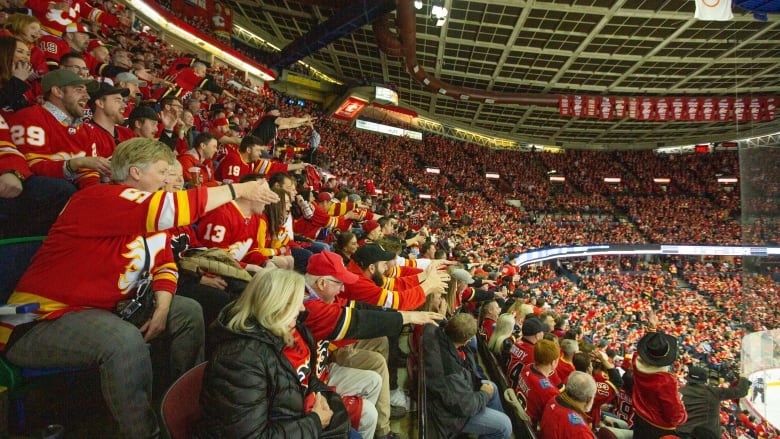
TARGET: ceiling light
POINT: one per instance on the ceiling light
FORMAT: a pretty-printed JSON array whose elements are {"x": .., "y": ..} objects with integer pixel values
[
  {"x": 418, "y": 4},
  {"x": 439, "y": 11}
]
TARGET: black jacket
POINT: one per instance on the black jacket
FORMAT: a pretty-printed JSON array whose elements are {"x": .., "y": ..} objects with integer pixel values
[
  {"x": 702, "y": 402},
  {"x": 451, "y": 383},
  {"x": 250, "y": 390}
]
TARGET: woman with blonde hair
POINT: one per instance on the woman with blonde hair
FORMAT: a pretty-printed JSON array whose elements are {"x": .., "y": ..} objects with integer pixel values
[
  {"x": 502, "y": 339},
  {"x": 262, "y": 378}
]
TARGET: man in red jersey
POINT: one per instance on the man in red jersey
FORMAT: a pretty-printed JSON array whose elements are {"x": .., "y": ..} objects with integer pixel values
[
  {"x": 522, "y": 352},
  {"x": 52, "y": 136},
  {"x": 334, "y": 319},
  {"x": 534, "y": 385},
  {"x": 370, "y": 262},
  {"x": 108, "y": 106},
  {"x": 566, "y": 415},
  {"x": 237, "y": 164},
  {"x": 93, "y": 258}
]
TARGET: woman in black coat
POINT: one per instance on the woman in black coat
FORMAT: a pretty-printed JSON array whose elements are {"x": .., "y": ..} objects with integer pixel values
[{"x": 261, "y": 381}]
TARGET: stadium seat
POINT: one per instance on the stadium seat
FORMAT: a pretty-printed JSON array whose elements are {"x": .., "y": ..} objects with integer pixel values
[
  {"x": 180, "y": 407},
  {"x": 16, "y": 254},
  {"x": 521, "y": 423}
]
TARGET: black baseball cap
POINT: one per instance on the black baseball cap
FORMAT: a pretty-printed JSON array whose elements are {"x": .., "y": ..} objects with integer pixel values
[
  {"x": 370, "y": 254},
  {"x": 143, "y": 112},
  {"x": 106, "y": 89}
]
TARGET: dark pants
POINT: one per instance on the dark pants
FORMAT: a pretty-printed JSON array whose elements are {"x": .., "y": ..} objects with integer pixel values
[
  {"x": 34, "y": 211},
  {"x": 645, "y": 430}
]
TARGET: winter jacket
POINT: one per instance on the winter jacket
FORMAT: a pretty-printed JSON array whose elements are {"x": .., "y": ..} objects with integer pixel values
[
  {"x": 250, "y": 390},
  {"x": 452, "y": 385},
  {"x": 702, "y": 402}
]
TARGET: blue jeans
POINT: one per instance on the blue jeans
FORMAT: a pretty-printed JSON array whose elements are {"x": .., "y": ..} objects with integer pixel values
[{"x": 491, "y": 422}]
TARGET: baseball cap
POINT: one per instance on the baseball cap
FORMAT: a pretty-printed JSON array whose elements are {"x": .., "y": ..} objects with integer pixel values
[
  {"x": 105, "y": 89},
  {"x": 324, "y": 196},
  {"x": 327, "y": 263},
  {"x": 95, "y": 43},
  {"x": 463, "y": 276},
  {"x": 533, "y": 326},
  {"x": 369, "y": 226},
  {"x": 129, "y": 78},
  {"x": 63, "y": 78},
  {"x": 143, "y": 112},
  {"x": 78, "y": 27},
  {"x": 697, "y": 374},
  {"x": 370, "y": 254}
]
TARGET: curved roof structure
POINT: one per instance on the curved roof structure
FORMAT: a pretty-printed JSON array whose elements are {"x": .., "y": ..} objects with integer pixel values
[{"x": 617, "y": 48}]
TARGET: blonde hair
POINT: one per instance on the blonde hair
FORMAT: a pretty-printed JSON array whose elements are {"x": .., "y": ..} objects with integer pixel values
[
  {"x": 15, "y": 23},
  {"x": 520, "y": 310},
  {"x": 452, "y": 289},
  {"x": 271, "y": 299},
  {"x": 505, "y": 325},
  {"x": 138, "y": 152}
]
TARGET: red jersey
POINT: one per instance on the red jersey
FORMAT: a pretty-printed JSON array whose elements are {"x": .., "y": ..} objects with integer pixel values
[
  {"x": 365, "y": 290},
  {"x": 94, "y": 254},
  {"x": 222, "y": 20},
  {"x": 520, "y": 354},
  {"x": 54, "y": 21},
  {"x": 244, "y": 237},
  {"x": 606, "y": 392},
  {"x": 10, "y": 157},
  {"x": 53, "y": 48},
  {"x": 536, "y": 389},
  {"x": 560, "y": 420},
  {"x": 106, "y": 141},
  {"x": 319, "y": 219},
  {"x": 564, "y": 369},
  {"x": 269, "y": 167},
  {"x": 233, "y": 167},
  {"x": 488, "y": 325},
  {"x": 47, "y": 143},
  {"x": 625, "y": 407}
]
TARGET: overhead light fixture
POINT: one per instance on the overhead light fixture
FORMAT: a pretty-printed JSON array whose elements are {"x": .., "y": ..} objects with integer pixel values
[
  {"x": 438, "y": 13},
  {"x": 418, "y": 4}
]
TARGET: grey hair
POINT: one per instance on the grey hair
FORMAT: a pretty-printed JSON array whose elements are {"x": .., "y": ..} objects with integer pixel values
[{"x": 581, "y": 386}]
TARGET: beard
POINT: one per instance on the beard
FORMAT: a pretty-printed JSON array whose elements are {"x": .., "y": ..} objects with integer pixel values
[{"x": 378, "y": 278}]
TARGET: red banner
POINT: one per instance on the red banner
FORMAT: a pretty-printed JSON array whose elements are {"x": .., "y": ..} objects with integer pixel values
[{"x": 677, "y": 108}]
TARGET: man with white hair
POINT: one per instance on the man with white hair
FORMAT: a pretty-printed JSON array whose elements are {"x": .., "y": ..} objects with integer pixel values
[
  {"x": 565, "y": 366},
  {"x": 565, "y": 416}
]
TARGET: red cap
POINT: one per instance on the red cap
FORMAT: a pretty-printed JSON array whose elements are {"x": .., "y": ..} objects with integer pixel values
[
  {"x": 324, "y": 196},
  {"x": 327, "y": 263},
  {"x": 369, "y": 226}
]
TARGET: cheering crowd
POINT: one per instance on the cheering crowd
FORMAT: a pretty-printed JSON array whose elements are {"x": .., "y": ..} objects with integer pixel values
[{"x": 132, "y": 158}]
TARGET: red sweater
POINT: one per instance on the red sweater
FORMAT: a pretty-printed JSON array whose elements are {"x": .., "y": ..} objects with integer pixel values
[{"x": 656, "y": 398}]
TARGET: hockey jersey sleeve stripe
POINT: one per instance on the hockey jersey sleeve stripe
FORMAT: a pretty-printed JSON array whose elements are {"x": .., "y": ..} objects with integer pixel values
[
  {"x": 151, "y": 214},
  {"x": 346, "y": 321},
  {"x": 388, "y": 299},
  {"x": 183, "y": 207}
]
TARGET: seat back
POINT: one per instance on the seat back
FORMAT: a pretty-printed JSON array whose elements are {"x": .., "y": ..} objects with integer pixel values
[
  {"x": 512, "y": 406},
  {"x": 16, "y": 254},
  {"x": 180, "y": 407}
]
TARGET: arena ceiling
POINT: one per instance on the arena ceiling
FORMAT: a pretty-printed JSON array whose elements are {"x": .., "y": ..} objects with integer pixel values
[{"x": 552, "y": 47}]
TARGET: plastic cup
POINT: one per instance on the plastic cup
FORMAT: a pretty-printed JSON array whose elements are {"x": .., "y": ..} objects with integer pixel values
[{"x": 194, "y": 176}]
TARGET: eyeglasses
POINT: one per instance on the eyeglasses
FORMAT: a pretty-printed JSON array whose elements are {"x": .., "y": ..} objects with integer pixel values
[{"x": 340, "y": 283}]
